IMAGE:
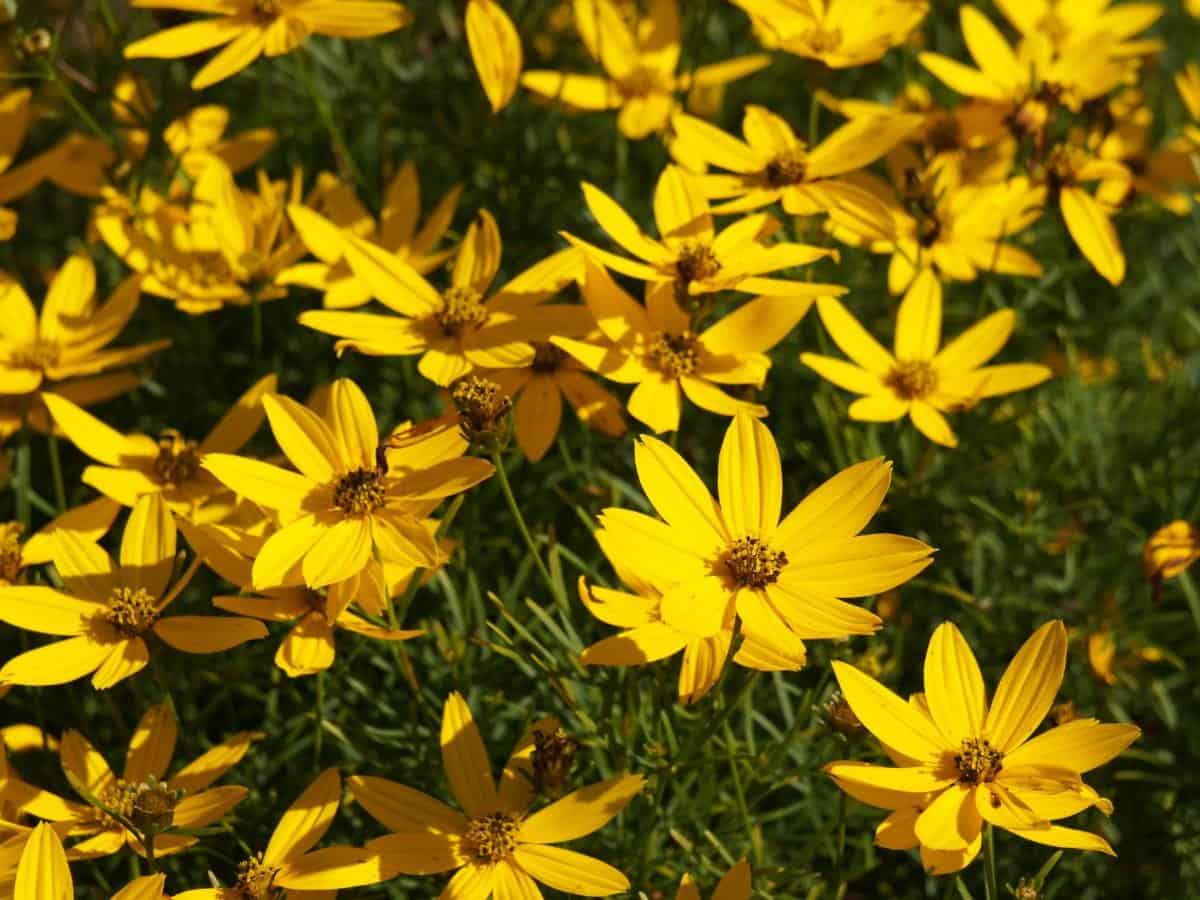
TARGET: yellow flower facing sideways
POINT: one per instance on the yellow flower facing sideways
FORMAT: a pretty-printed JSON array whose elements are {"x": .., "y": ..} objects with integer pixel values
[
  {"x": 351, "y": 496},
  {"x": 89, "y": 522},
  {"x": 655, "y": 347},
  {"x": 918, "y": 379},
  {"x": 300, "y": 828},
  {"x": 396, "y": 232},
  {"x": 498, "y": 847},
  {"x": 248, "y": 29},
  {"x": 1069, "y": 23},
  {"x": 1171, "y": 550},
  {"x": 734, "y": 885},
  {"x": 961, "y": 762},
  {"x": 462, "y": 328},
  {"x": 782, "y": 576},
  {"x": 640, "y": 63},
  {"x": 690, "y": 255},
  {"x": 495, "y": 50},
  {"x": 133, "y": 465},
  {"x": 108, "y": 609}
]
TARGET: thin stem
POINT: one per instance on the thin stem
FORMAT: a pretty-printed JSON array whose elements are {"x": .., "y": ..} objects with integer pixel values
[
  {"x": 739, "y": 794},
  {"x": 506, "y": 488},
  {"x": 840, "y": 858},
  {"x": 325, "y": 112},
  {"x": 951, "y": 887},
  {"x": 60, "y": 492},
  {"x": 1192, "y": 596},
  {"x": 989, "y": 861},
  {"x": 110, "y": 21},
  {"x": 72, "y": 101},
  {"x": 21, "y": 484},
  {"x": 814, "y": 118}
]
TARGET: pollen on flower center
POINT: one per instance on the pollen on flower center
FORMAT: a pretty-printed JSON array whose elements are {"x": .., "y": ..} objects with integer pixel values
[
  {"x": 639, "y": 82},
  {"x": 674, "y": 354},
  {"x": 824, "y": 40},
  {"x": 177, "y": 460},
  {"x": 266, "y": 10},
  {"x": 978, "y": 762},
  {"x": 255, "y": 877},
  {"x": 131, "y": 610},
  {"x": 696, "y": 262},
  {"x": 10, "y": 552},
  {"x": 493, "y": 837},
  {"x": 38, "y": 356},
  {"x": 461, "y": 308},
  {"x": 360, "y": 491},
  {"x": 547, "y": 358},
  {"x": 944, "y": 134},
  {"x": 754, "y": 564},
  {"x": 785, "y": 169},
  {"x": 912, "y": 379}
]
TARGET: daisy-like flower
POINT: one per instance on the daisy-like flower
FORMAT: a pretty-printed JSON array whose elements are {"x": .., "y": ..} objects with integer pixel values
[
  {"x": 773, "y": 164},
  {"x": 300, "y": 828},
  {"x": 1068, "y": 24},
  {"x": 133, "y": 465},
  {"x": 690, "y": 255},
  {"x": 734, "y": 885},
  {"x": 248, "y": 29},
  {"x": 498, "y": 847},
  {"x": 961, "y": 762},
  {"x": 1171, "y": 550},
  {"x": 495, "y": 50},
  {"x": 458, "y": 330},
  {"x": 396, "y": 232},
  {"x": 68, "y": 339},
  {"x": 108, "y": 609},
  {"x": 918, "y": 379},
  {"x": 782, "y": 579},
  {"x": 640, "y": 63},
  {"x": 89, "y": 522},
  {"x": 656, "y": 348},
  {"x": 352, "y": 495}
]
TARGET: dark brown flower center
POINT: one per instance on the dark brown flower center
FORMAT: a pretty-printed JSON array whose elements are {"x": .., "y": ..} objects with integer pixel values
[
  {"x": 177, "y": 461},
  {"x": 491, "y": 838},
  {"x": 483, "y": 410},
  {"x": 359, "y": 492},
  {"x": 38, "y": 356},
  {"x": 255, "y": 877},
  {"x": 912, "y": 379},
  {"x": 674, "y": 354},
  {"x": 547, "y": 358},
  {"x": 978, "y": 762},
  {"x": 131, "y": 610},
  {"x": 785, "y": 169},
  {"x": 696, "y": 262},
  {"x": 266, "y": 10},
  {"x": 753, "y": 563},
  {"x": 462, "y": 308}
]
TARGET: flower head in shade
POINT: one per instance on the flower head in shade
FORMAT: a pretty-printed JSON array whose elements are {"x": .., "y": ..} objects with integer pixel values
[
  {"x": 640, "y": 64},
  {"x": 248, "y": 29},
  {"x": 108, "y": 608},
  {"x": 734, "y": 885},
  {"x": 961, "y": 761},
  {"x": 921, "y": 379},
  {"x": 495, "y": 844}
]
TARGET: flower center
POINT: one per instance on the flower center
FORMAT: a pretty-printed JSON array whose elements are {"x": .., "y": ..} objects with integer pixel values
[
  {"x": 255, "y": 877},
  {"x": 10, "y": 552},
  {"x": 39, "y": 356},
  {"x": 483, "y": 409},
  {"x": 822, "y": 40},
  {"x": 696, "y": 262},
  {"x": 912, "y": 379},
  {"x": 149, "y": 805},
  {"x": 266, "y": 10},
  {"x": 131, "y": 610},
  {"x": 674, "y": 354},
  {"x": 753, "y": 564},
  {"x": 177, "y": 460},
  {"x": 359, "y": 492},
  {"x": 547, "y": 358},
  {"x": 783, "y": 170},
  {"x": 461, "y": 308},
  {"x": 640, "y": 82},
  {"x": 978, "y": 762},
  {"x": 493, "y": 837},
  {"x": 944, "y": 134}
]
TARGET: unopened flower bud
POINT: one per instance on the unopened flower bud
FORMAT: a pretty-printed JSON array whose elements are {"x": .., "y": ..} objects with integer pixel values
[
  {"x": 483, "y": 410},
  {"x": 152, "y": 805},
  {"x": 553, "y": 756}
]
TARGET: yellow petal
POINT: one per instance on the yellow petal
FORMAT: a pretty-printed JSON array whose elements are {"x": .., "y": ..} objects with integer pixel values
[
  {"x": 678, "y": 495},
  {"x": 403, "y": 809},
  {"x": 734, "y": 884},
  {"x": 749, "y": 479},
  {"x": 69, "y": 300},
  {"x": 208, "y": 634},
  {"x": 703, "y": 663},
  {"x": 395, "y": 283},
  {"x": 305, "y": 822},
  {"x": 308, "y": 648},
  {"x": 238, "y": 425},
  {"x": 55, "y": 663},
  {"x": 211, "y": 765},
  {"x": 919, "y": 320},
  {"x": 45, "y": 610},
  {"x": 237, "y": 55},
  {"x": 888, "y": 717},
  {"x": 931, "y": 423},
  {"x": 83, "y": 765},
  {"x": 853, "y": 339},
  {"x": 1066, "y": 838},
  {"x": 354, "y": 426},
  {"x": 620, "y": 227},
  {"x": 537, "y": 416},
  {"x": 148, "y": 546},
  {"x": 950, "y": 822},
  {"x": 341, "y": 552},
  {"x": 1028, "y": 687},
  {"x": 265, "y": 484},
  {"x": 680, "y": 207},
  {"x": 186, "y": 40},
  {"x": 977, "y": 344},
  {"x": 480, "y": 882},
  {"x": 1093, "y": 233},
  {"x": 642, "y": 644},
  {"x": 88, "y": 433},
  {"x": 570, "y": 872},
  {"x": 841, "y": 506},
  {"x": 127, "y": 658},
  {"x": 278, "y": 559},
  {"x": 43, "y": 873},
  {"x": 354, "y": 18},
  {"x": 1080, "y": 746},
  {"x": 152, "y": 745},
  {"x": 495, "y": 50},
  {"x": 465, "y": 759},
  {"x": 954, "y": 685},
  {"x": 304, "y": 437},
  {"x": 581, "y": 812},
  {"x": 206, "y": 807}
]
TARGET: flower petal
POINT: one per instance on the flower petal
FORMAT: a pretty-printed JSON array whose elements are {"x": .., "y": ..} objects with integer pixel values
[
  {"x": 465, "y": 759},
  {"x": 954, "y": 685},
  {"x": 570, "y": 872},
  {"x": 1027, "y": 689},
  {"x": 581, "y": 812},
  {"x": 749, "y": 479},
  {"x": 305, "y": 822},
  {"x": 678, "y": 494},
  {"x": 888, "y": 717}
]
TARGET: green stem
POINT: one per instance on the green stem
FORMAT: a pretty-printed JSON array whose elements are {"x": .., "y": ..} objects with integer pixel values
[
  {"x": 740, "y": 794},
  {"x": 21, "y": 484},
  {"x": 1192, "y": 596},
  {"x": 989, "y": 861},
  {"x": 60, "y": 492},
  {"x": 52, "y": 74},
  {"x": 840, "y": 859},
  {"x": 328, "y": 120},
  {"x": 511, "y": 500},
  {"x": 110, "y": 21},
  {"x": 951, "y": 887}
]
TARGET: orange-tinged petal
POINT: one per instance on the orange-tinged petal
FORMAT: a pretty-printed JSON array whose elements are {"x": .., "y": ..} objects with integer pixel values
[
  {"x": 465, "y": 759},
  {"x": 888, "y": 717},
  {"x": 1027, "y": 688},
  {"x": 206, "y": 807},
  {"x": 56, "y": 663},
  {"x": 208, "y": 634}
]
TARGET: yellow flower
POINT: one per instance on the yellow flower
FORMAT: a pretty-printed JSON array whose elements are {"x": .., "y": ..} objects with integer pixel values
[
  {"x": 352, "y": 495},
  {"x": 495, "y": 843},
  {"x": 108, "y": 608},
  {"x": 396, "y": 232},
  {"x": 772, "y": 164},
  {"x": 1068, "y": 24},
  {"x": 248, "y": 29},
  {"x": 198, "y": 137},
  {"x": 171, "y": 465},
  {"x": 1171, "y": 550},
  {"x": 43, "y": 873},
  {"x": 69, "y": 338},
  {"x": 308, "y": 648},
  {"x": 640, "y": 62},
  {"x": 1102, "y": 655},
  {"x": 840, "y": 33},
  {"x": 656, "y": 348},
  {"x": 184, "y": 802},
  {"x": 918, "y": 380},
  {"x": 783, "y": 579},
  {"x": 88, "y": 522},
  {"x": 458, "y": 330},
  {"x": 495, "y": 50},
  {"x": 734, "y": 885},
  {"x": 960, "y": 762},
  {"x": 690, "y": 255}
]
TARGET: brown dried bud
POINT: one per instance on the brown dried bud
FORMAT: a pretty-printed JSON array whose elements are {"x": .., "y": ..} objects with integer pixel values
[
  {"x": 553, "y": 756},
  {"x": 483, "y": 410},
  {"x": 152, "y": 805},
  {"x": 839, "y": 717}
]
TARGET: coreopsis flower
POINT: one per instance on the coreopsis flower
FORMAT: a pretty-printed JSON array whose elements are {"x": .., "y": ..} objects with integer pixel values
[
  {"x": 1067, "y": 24},
  {"x": 918, "y": 379},
  {"x": 495, "y": 843},
  {"x": 171, "y": 465},
  {"x": 142, "y": 795},
  {"x": 840, "y": 33},
  {"x": 352, "y": 496},
  {"x": 396, "y": 232},
  {"x": 309, "y": 647},
  {"x": 1171, "y": 550},
  {"x": 495, "y": 50},
  {"x": 68, "y": 339},
  {"x": 43, "y": 872},
  {"x": 462, "y": 328},
  {"x": 690, "y": 255},
  {"x": 773, "y": 164},
  {"x": 961, "y": 762},
  {"x": 198, "y": 137},
  {"x": 640, "y": 62},
  {"x": 734, "y": 885},
  {"x": 784, "y": 580},
  {"x": 108, "y": 608},
  {"x": 248, "y": 29},
  {"x": 655, "y": 347},
  {"x": 89, "y": 522}
]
